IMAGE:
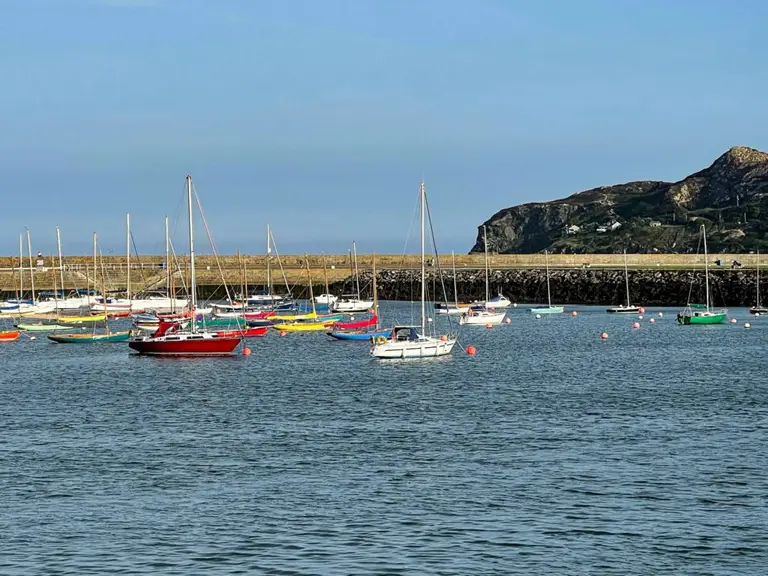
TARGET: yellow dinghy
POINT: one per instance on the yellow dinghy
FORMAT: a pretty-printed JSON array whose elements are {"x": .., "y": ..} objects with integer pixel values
[
  {"x": 304, "y": 326},
  {"x": 80, "y": 319}
]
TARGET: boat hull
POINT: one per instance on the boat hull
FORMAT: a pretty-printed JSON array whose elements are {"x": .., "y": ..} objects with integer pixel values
[
  {"x": 482, "y": 318},
  {"x": 548, "y": 310},
  {"x": 359, "y": 334},
  {"x": 421, "y": 348},
  {"x": 623, "y": 310},
  {"x": 86, "y": 338},
  {"x": 206, "y": 344},
  {"x": 42, "y": 327},
  {"x": 9, "y": 335},
  {"x": 703, "y": 318},
  {"x": 758, "y": 310}
]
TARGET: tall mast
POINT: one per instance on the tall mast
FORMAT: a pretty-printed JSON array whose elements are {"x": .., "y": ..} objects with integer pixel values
[
  {"x": 423, "y": 267},
  {"x": 357, "y": 278},
  {"x": 485, "y": 245},
  {"x": 21, "y": 269},
  {"x": 128, "y": 255},
  {"x": 269, "y": 252},
  {"x": 375, "y": 292},
  {"x": 168, "y": 267},
  {"x": 31, "y": 270},
  {"x": 61, "y": 260},
  {"x": 546, "y": 263},
  {"x": 325, "y": 274},
  {"x": 103, "y": 285},
  {"x": 311, "y": 294},
  {"x": 626, "y": 276},
  {"x": 455, "y": 289},
  {"x": 706, "y": 264},
  {"x": 94, "y": 273},
  {"x": 758, "y": 278},
  {"x": 192, "y": 278}
]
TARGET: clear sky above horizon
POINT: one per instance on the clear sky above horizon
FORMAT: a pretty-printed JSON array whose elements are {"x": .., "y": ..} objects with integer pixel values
[{"x": 321, "y": 117}]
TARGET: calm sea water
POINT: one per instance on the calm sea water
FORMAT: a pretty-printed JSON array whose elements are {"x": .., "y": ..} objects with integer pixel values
[{"x": 550, "y": 452}]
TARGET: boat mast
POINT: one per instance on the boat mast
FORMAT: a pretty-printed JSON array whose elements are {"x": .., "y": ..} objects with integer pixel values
[
  {"x": 423, "y": 267},
  {"x": 61, "y": 260},
  {"x": 357, "y": 278},
  {"x": 626, "y": 276},
  {"x": 104, "y": 296},
  {"x": 485, "y": 246},
  {"x": 103, "y": 285},
  {"x": 758, "y": 279},
  {"x": 325, "y": 274},
  {"x": 21, "y": 270},
  {"x": 375, "y": 292},
  {"x": 455, "y": 290},
  {"x": 311, "y": 293},
  {"x": 128, "y": 256},
  {"x": 546, "y": 263},
  {"x": 31, "y": 270},
  {"x": 706, "y": 264},
  {"x": 168, "y": 269},
  {"x": 192, "y": 278},
  {"x": 269, "y": 251}
]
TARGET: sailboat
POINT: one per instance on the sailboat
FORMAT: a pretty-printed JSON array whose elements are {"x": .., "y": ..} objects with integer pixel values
[
  {"x": 483, "y": 315},
  {"x": 352, "y": 302},
  {"x": 169, "y": 339},
  {"x": 313, "y": 322},
  {"x": 549, "y": 309},
  {"x": 267, "y": 298},
  {"x": 696, "y": 314},
  {"x": 413, "y": 341},
  {"x": 622, "y": 309},
  {"x": 44, "y": 326},
  {"x": 364, "y": 329},
  {"x": 455, "y": 308},
  {"x": 93, "y": 336},
  {"x": 758, "y": 308}
]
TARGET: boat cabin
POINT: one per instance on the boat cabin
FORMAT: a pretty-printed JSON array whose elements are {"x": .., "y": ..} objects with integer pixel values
[{"x": 405, "y": 334}]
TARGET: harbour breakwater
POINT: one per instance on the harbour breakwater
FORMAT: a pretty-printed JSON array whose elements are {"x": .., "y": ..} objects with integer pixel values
[{"x": 584, "y": 286}]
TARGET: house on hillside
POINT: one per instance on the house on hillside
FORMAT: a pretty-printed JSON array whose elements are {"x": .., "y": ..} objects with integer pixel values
[
  {"x": 654, "y": 224},
  {"x": 614, "y": 226},
  {"x": 601, "y": 229},
  {"x": 572, "y": 229}
]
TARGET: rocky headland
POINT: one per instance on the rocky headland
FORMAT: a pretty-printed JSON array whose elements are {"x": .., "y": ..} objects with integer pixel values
[{"x": 730, "y": 198}]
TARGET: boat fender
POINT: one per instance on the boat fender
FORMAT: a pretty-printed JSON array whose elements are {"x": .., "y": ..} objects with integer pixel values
[{"x": 380, "y": 340}]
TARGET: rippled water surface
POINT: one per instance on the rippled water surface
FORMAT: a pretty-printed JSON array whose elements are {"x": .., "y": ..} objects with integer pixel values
[{"x": 550, "y": 452}]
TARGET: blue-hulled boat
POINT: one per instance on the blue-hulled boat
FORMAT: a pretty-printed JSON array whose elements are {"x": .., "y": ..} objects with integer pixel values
[{"x": 359, "y": 334}]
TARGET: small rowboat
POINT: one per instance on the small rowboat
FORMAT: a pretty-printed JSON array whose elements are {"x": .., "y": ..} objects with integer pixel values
[
  {"x": 87, "y": 338},
  {"x": 9, "y": 335},
  {"x": 41, "y": 327}
]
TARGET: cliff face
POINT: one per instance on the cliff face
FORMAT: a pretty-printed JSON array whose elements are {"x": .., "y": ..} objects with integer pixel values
[{"x": 729, "y": 197}]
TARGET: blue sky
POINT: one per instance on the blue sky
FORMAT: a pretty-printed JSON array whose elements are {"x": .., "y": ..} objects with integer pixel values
[{"x": 321, "y": 117}]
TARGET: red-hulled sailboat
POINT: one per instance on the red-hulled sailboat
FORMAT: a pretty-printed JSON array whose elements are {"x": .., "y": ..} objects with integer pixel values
[{"x": 169, "y": 340}]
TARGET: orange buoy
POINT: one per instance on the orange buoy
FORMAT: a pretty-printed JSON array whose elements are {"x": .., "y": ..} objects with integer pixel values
[
  {"x": 574, "y": 313},
  {"x": 283, "y": 332},
  {"x": 604, "y": 336},
  {"x": 471, "y": 350},
  {"x": 652, "y": 320},
  {"x": 489, "y": 325},
  {"x": 636, "y": 325},
  {"x": 246, "y": 351},
  {"x": 507, "y": 320},
  {"x": 444, "y": 338},
  {"x": 642, "y": 310}
]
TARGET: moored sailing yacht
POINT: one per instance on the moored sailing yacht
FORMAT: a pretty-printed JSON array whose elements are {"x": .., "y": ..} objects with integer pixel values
[
  {"x": 758, "y": 308},
  {"x": 696, "y": 313},
  {"x": 169, "y": 340},
  {"x": 549, "y": 309},
  {"x": 622, "y": 309},
  {"x": 483, "y": 315},
  {"x": 413, "y": 341}
]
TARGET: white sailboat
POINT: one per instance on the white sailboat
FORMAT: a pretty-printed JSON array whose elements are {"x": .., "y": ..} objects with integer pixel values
[
  {"x": 413, "y": 341},
  {"x": 758, "y": 308},
  {"x": 622, "y": 309},
  {"x": 349, "y": 303},
  {"x": 455, "y": 308},
  {"x": 267, "y": 298},
  {"x": 549, "y": 309},
  {"x": 483, "y": 315}
]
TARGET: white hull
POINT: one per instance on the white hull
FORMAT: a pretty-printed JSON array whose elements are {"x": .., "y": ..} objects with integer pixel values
[
  {"x": 498, "y": 302},
  {"x": 326, "y": 299},
  {"x": 452, "y": 310},
  {"x": 482, "y": 318},
  {"x": 624, "y": 310},
  {"x": 352, "y": 305},
  {"x": 424, "y": 347},
  {"x": 141, "y": 305},
  {"x": 264, "y": 300}
]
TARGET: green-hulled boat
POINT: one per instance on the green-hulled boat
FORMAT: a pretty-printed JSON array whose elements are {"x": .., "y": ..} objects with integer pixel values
[
  {"x": 41, "y": 327},
  {"x": 698, "y": 313}
]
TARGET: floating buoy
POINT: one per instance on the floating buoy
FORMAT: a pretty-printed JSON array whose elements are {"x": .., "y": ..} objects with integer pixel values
[
  {"x": 574, "y": 313},
  {"x": 652, "y": 320},
  {"x": 747, "y": 325},
  {"x": 640, "y": 317},
  {"x": 507, "y": 320},
  {"x": 642, "y": 310},
  {"x": 33, "y": 337},
  {"x": 636, "y": 325},
  {"x": 604, "y": 336},
  {"x": 471, "y": 350},
  {"x": 489, "y": 325},
  {"x": 283, "y": 332},
  {"x": 246, "y": 351},
  {"x": 733, "y": 320},
  {"x": 538, "y": 315},
  {"x": 351, "y": 317},
  {"x": 443, "y": 338},
  {"x": 429, "y": 319},
  {"x": 514, "y": 305},
  {"x": 757, "y": 313},
  {"x": 370, "y": 311},
  {"x": 661, "y": 314}
]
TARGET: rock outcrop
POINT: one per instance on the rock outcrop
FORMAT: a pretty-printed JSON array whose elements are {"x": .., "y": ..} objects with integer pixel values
[{"x": 730, "y": 195}]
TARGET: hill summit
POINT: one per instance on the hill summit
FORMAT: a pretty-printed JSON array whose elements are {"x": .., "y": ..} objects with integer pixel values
[{"x": 729, "y": 197}]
